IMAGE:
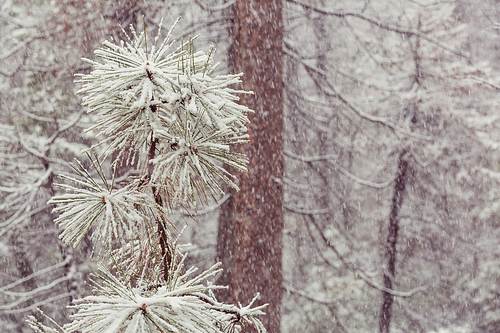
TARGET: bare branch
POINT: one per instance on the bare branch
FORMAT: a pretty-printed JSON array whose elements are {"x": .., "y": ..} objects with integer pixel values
[
  {"x": 209, "y": 209},
  {"x": 22, "y": 23},
  {"x": 317, "y": 158},
  {"x": 29, "y": 294},
  {"x": 211, "y": 8},
  {"x": 291, "y": 182},
  {"x": 305, "y": 211},
  {"x": 293, "y": 53},
  {"x": 38, "y": 154},
  {"x": 307, "y": 296},
  {"x": 45, "y": 119},
  {"x": 358, "y": 271},
  {"x": 66, "y": 127},
  {"x": 431, "y": 3},
  {"x": 12, "y": 73},
  {"x": 21, "y": 45},
  {"x": 335, "y": 93},
  {"x": 480, "y": 80},
  {"x": 40, "y": 272},
  {"x": 34, "y": 306},
  {"x": 330, "y": 160},
  {"x": 382, "y": 25}
]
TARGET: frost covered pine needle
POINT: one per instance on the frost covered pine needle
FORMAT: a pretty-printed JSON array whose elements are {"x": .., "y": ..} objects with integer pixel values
[
  {"x": 115, "y": 214},
  {"x": 161, "y": 104}
]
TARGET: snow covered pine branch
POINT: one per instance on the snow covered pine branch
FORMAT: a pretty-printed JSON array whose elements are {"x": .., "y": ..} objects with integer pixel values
[{"x": 162, "y": 112}]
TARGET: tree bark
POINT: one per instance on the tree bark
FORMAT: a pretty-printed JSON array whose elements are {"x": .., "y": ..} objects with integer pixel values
[
  {"x": 251, "y": 221},
  {"x": 390, "y": 247}
]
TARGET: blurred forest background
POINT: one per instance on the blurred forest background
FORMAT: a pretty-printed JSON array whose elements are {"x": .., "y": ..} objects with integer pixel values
[{"x": 391, "y": 145}]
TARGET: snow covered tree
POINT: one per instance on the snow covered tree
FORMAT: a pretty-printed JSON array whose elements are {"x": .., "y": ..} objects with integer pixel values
[{"x": 160, "y": 110}]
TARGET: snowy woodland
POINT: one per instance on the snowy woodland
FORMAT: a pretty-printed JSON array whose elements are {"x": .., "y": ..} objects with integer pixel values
[{"x": 369, "y": 182}]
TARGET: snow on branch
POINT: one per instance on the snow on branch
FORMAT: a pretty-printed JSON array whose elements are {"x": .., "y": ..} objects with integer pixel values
[
  {"x": 483, "y": 81},
  {"x": 20, "y": 214},
  {"x": 37, "y": 304},
  {"x": 66, "y": 127},
  {"x": 20, "y": 199},
  {"x": 116, "y": 214},
  {"x": 167, "y": 96},
  {"x": 40, "y": 155},
  {"x": 28, "y": 294},
  {"x": 208, "y": 209},
  {"x": 27, "y": 22},
  {"x": 335, "y": 93},
  {"x": 180, "y": 305},
  {"x": 213, "y": 7},
  {"x": 25, "y": 43},
  {"x": 60, "y": 122},
  {"x": 164, "y": 108},
  {"x": 318, "y": 158},
  {"x": 300, "y": 210},
  {"x": 12, "y": 72}
]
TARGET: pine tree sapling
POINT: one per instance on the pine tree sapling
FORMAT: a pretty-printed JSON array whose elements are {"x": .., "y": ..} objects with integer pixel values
[{"x": 159, "y": 109}]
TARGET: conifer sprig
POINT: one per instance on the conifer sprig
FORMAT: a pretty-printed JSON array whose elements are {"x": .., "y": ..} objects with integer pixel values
[
  {"x": 137, "y": 96},
  {"x": 117, "y": 215},
  {"x": 167, "y": 110},
  {"x": 182, "y": 304}
]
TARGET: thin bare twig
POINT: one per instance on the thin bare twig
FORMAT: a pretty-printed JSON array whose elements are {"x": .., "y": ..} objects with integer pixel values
[
  {"x": 307, "y": 296},
  {"x": 382, "y": 25},
  {"x": 330, "y": 160},
  {"x": 40, "y": 272},
  {"x": 358, "y": 272}
]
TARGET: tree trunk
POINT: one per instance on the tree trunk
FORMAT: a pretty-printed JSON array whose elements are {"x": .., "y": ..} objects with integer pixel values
[
  {"x": 390, "y": 247},
  {"x": 251, "y": 221}
]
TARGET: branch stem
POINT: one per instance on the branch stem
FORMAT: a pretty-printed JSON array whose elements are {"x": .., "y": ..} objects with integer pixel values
[{"x": 166, "y": 252}]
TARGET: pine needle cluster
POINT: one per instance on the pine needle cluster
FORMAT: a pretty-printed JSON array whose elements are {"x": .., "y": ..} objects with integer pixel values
[{"x": 160, "y": 110}]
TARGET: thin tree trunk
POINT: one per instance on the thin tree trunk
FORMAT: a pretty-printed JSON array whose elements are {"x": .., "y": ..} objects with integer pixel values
[
  {"x": 392, "y": 238},
  {"x": 251, "y": 221}
]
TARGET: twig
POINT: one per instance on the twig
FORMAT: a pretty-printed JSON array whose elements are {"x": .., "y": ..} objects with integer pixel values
[
  {"x": 305, "y": 295},
  {"x": 34, "y": 306},
  {"x": 215, "y": 8},
  {"x": 480, "y": 80},
  {"x": 38, "y": 154},
  {"x": 336, "y": 94},
  {"x": 33, "y": 292},
  {"x": 359, "y": 273},
  {"x": 382, "y": 25},
  {"x": 329, "y": 159},
  {"x": 293, "y": 53},
  {"x": 208, "y": 209},
  {"x": 40, "y": 272},
  {"x": 300, "y": 210},
  {"x": 65, "y": 128}
]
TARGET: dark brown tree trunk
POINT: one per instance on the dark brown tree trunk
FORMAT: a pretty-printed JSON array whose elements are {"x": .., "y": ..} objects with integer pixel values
[
  {"x": 251, "y": 222},
  {"x": 390, "y": 247}
]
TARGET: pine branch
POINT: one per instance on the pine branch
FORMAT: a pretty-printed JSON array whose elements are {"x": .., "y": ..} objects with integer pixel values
[{"x": 162, "y": 107}]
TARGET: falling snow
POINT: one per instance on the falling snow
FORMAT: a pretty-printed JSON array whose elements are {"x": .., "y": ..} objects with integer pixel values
[{"x": 390, "y": 188}]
